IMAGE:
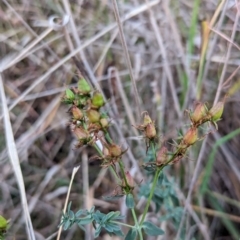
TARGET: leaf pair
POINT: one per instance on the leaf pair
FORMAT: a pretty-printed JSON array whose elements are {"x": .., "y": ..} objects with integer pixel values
[{"x": 149, "y": 228}]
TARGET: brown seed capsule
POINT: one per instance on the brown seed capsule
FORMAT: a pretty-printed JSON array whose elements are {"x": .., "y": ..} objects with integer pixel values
[
  {"x": 77, "y": 113},
  {"x": 199, "y": 113},
  {"x": 150, "y": 131},
  {"x": 216, "y": 111},
  {"x": 93, "y": 116},
  {"x": 114, "y": 150},
  {"x": 162, "y": 156},
  {"x": 81, "y": 133},
  {"x": 191, "y": 136},
  {"x": 97, "y": 100}
]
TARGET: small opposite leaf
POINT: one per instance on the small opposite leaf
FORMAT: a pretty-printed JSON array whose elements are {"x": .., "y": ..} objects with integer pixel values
[
  {"x": 80, "y": 212},
  {"x": 118, "y": 233},
  {"x": 129, "y": 201},
  {"x": 97, "y": 232},
  {"x": 69, "y": 206},
  {"x": 151, "y": 229},
  {"x": 132, "y": 234},
  {"x": 85, "y": 220},
  {"x": 71, "y": 214},
  {"x": 66, "y": 225}
]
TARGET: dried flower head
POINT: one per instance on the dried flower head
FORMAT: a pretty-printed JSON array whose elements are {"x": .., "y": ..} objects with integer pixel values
[
  {"x": 199, "y": 113},
  {"x": 77, "y": 113},
  {"x": 150, "y": 131},
  {"x": 162, "y": 156},
  {"x": 190, "y": 137}
]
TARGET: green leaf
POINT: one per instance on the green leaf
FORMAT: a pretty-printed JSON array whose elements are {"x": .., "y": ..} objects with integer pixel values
[
  {"x": 116, "y": 215},
  {"x": 113, "y": 226},
  {"x": 97, "y": 232},
  {"x": 80, "y": 212},
  {"x": 118, "y": 233},
  {"x": 71, "y": 214},
  {"x": 109, "y": 228},
  {"x": 86, "y": 220},
  {"x": 132, "y": 234},
  {"x": 69, "y": 207},
  {"x": 129, "y": 201},
  {"x": 69, "y": 94},
  {"x": 66, "y": 225},
  {"x": 108, "y": 216},
  {"x": 151, "y": 229}
]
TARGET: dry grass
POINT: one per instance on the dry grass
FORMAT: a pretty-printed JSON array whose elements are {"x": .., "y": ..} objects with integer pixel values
[{"x": 163, "y": 42}]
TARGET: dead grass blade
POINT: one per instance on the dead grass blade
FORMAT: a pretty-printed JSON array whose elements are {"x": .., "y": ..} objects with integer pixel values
[
  {"x": 67, "y": 198},
  {"x": 13, "y": 155}
]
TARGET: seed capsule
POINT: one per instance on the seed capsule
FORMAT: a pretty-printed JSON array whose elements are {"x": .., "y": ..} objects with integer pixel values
[
  {"x": 130, "y": 180},
  {"x": 216, "y": 111},
  {"x": 77, "y": 113},
  {"x": 191, "y": 136},
  {"x": 150, "y": 131},
  {"x": 162, "y": 156},
  {"x": 93, "y": 116},
  {"x": 114, "y": 150},
  {"x": 146, "y": 120},
  {"x": 97, "y": 100},
  {"x": 83, "y": 86},
  {"x": 104, "y": 122},
  {"x": 199, "y": 113},
  {"x": 69, "y": 94}
]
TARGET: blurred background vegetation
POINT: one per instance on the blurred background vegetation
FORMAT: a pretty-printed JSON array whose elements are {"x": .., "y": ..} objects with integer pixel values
[{"x": 181, "y": 52}]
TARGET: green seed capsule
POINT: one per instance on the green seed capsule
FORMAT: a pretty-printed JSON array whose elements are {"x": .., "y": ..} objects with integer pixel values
[
  {"x": 3, "y": 223},
  {"x": 216, "y": 111},
  {"x": 83, "y": 86},
  {"x": 69, "y": 94},
  {"x": 93, "y": 116},
  {"x": 97, "y": 100}
]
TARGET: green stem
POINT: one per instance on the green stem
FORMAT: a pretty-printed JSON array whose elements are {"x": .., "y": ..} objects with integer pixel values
[
  {"x": 153, "y": 149},
  {"x": 98, "y": 149},
  {"x": 151, "y": 195},
  {"x": 107, "y": 136},
  {"x": 134, "y": 216},
  {"x": 122, "y": 171},
  {"x": 137, "y": 224},
  {"x": 123, "y": 224}
]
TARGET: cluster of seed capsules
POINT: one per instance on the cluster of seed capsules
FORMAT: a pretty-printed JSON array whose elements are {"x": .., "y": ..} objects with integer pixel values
[
  {"x": 198, "y": 117},
  {"x": 89, "y": 124}
]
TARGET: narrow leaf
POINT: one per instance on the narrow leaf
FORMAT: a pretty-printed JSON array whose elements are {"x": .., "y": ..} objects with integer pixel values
[
  {"x": 151, "y": 229},
  {"x": 132, "y": 234},
  {"x": 129, "y": 201}
]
